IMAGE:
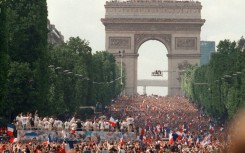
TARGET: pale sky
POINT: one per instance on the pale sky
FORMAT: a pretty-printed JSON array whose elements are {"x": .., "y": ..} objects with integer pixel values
[{"x": 225, "y": 19}]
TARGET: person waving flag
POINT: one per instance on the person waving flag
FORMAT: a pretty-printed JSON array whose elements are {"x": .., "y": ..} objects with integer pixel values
[{"x": 112, "y": 121}]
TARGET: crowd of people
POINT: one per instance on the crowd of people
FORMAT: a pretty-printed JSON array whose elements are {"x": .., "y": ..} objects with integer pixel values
[{"x": 161, "y": 124}]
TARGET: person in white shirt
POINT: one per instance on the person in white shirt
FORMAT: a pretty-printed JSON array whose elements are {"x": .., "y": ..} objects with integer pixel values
[
  {"x": 28, "y": 125},
  {"x": 59, "y": 125},
  {"x": 24, "y": 121},
  {"x": 72, "y": 120},
  {"x": 46, "y": 125},
  {"x": 107, "y": 126},
  {"x": 55, "y": 125},
  {"x": 51, "y": 121},
  {"x": 102, "y": 125},
  {"x": 18, "y": 122},
  {"x": 73, "y": 127},
  {"x": 67, "y": 125},
  {"x": 130, "y": 122},
  {"x": 36, "y": 120},
  {"x": 40, "y": 124},
  {"x": 88, "y": 125},
  {"x": 45, "y": 119},
  {"x": 124, "y": 126},
  {"x": 96, "y": 125}
]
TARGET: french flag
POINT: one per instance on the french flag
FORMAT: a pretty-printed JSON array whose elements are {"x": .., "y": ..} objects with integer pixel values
[
  {"x": 49, "y": 140},
  {"x": 13, "y": 140},
  {"x": 121, "y": 140},
  {"x": 156, "y": 131},
  {"x": 10, "y": 129},
  {"x": 112, "y": 121},
  {"x": 171, "y": 140},
  {"x": 199, "y": 140},
  {"x": 211, "y": 128}
]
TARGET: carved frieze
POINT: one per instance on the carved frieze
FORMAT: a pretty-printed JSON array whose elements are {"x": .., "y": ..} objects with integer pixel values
[
  {"x": 141, "y": 38},
  {"x": 185, "y": 43},
  {"x": 152, "y": 26},
  {"x": 119, "y": 43},
  {"x": 153, "y": 10}
]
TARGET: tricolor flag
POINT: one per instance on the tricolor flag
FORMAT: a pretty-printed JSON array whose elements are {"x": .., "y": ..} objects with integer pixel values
[
  {"x": 152, "y": 131},
  {"x": 12, "y": 140},
  {"x": 69, "y": 146},
  {"x": 121, "y": 140},
  {"x": 186, "y": 141},
  {"x": 49, "y": 140},
  {"x": 10, "y": 129},
  {"x": 180, "y": 135},
  {"x": 211, "y": 128},
  {"x": 199, "y": 140},
  {"x": 112, "y": 121},
  {"x": 167, "y": 132},
  {"x": 171, "y": 140}
]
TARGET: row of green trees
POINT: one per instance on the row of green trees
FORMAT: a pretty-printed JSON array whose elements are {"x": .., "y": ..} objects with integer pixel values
[
  {"x": 29, "y": 77},
  {"x": 80, "y": 78},
  {"x": 219, "y": 86}
]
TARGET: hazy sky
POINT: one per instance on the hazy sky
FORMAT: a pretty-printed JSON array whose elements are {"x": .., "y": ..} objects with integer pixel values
[{"x": 225, "y": 19}]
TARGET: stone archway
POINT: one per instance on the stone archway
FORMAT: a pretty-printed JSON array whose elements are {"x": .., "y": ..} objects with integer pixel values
[
  {"x": 177, "y": 24},
  {"x": 139, "y": 39}
]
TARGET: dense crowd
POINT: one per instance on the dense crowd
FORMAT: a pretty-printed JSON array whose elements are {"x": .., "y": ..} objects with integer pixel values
[{"x": 162, "y": 124}]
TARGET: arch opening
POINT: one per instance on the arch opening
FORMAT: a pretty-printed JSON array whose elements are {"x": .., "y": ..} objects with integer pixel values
[{"x": 152, "y": 57}]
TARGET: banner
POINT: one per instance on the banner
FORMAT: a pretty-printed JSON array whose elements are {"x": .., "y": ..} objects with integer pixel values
[{"x": 42, "y": 135}]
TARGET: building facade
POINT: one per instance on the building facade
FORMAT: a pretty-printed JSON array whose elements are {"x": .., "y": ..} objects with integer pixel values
[{"x": 206, "y": 50}]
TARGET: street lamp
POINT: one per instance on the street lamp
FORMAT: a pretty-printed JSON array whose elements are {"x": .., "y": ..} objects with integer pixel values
[
  {"x": 201, "y": 83},
  {"x": 51, "y": 66},
  {"x": 121, "y": 53}
]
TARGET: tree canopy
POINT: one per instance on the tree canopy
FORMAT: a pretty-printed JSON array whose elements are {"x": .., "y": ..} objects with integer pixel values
[
  {"x": 52, "y": 79},
  {"x": 219, "y": 87}
]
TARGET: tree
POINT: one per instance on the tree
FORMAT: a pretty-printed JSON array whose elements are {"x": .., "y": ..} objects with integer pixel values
[
  {"x": 20, "y": 87},
  {"x": 28, "y": 44},
  {"x": 241, "y": 43},
  {"x": 85, "y": 52},
  {"x": 4, "y": 60},
  {"x": 76, "y": 79},
  {"x": 106, "y": 72},
  {"x": 221, "y": 93},
  {"x": 70, "y": 89}
]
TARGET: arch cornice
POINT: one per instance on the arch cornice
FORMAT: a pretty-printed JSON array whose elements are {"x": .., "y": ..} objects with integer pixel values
[{"x": 139, "y": 39}]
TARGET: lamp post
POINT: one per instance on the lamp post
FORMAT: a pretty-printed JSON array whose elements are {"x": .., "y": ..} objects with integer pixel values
[{"x": 121, "y": 53}]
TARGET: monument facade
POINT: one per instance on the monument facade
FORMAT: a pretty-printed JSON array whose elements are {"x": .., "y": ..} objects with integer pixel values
[
  {"x": 177, "y": 24},
  {"x": 54, "y": 36}
]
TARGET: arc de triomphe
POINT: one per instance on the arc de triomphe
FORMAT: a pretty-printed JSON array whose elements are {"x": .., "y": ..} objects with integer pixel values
[{"x": 177, "y": 24}]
